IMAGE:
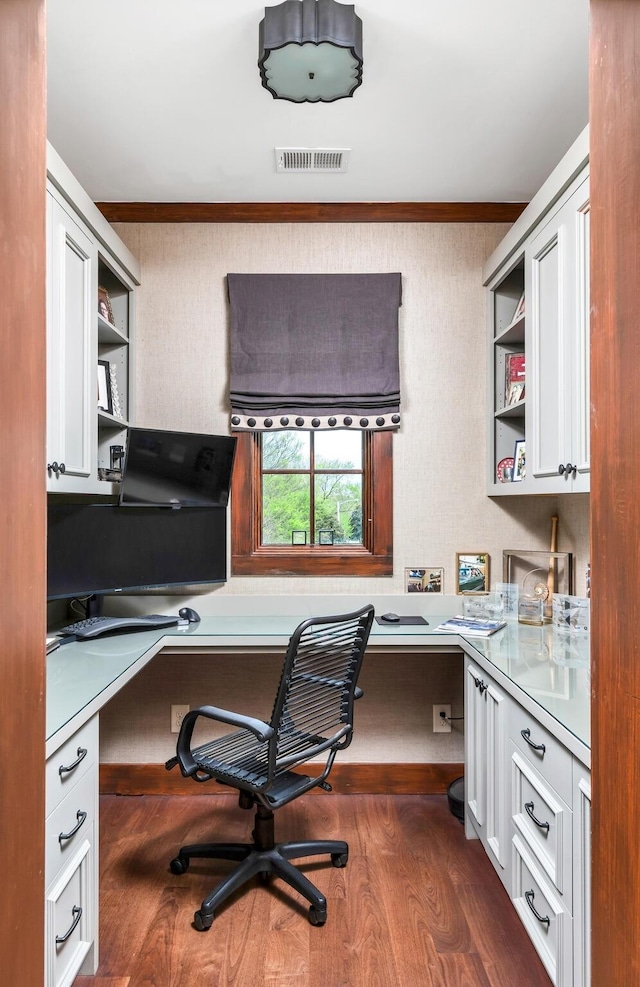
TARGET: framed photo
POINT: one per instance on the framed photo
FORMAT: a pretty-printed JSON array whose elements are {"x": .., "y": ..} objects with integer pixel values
[
  {"x": 104, "y": 305},
  {"x": 472, "y": 572},
  {"x": 519, "y": 461},
  {"x": 105, "y": 402},
  {"x": 519, "y": 308},
  {"x": 424, "y": 580}
]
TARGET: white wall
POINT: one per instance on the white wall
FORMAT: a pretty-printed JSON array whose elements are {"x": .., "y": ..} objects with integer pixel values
[{"x": 440, "y": 506}]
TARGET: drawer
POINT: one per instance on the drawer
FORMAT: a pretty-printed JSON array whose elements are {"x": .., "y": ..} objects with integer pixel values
[
  {"x": 70, "y": 921},
  {"x": 549, "y": 757},
  {"x": 543, "y": 915},
  {"x": 70, "y": 762},
  {"x": 544, "y": 821},
  {"x": 69, "y": 825}
]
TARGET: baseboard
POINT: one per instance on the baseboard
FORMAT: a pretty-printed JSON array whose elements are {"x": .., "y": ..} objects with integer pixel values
[{"x": 356, "y": 779}]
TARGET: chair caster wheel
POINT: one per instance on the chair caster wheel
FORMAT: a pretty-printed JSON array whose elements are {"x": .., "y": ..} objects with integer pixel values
[
  {"x": 339, "y": 859},
  {"x": 316, "y": 916},
  {"x": 202, "y": 922},
  {"x": 179, "y": 865}
]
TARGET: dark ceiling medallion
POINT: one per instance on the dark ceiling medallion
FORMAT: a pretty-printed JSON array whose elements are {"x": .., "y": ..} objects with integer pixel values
[{"x": 310, "y": 51}]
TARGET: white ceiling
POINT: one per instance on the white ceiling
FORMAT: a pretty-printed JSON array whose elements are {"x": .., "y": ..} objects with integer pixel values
[{"x": 461, "y": 100}]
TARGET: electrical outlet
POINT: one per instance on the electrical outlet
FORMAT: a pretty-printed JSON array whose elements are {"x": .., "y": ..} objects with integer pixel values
[
  {"x": 441, "y": 723},
  {"x": 178, "y": 714}
]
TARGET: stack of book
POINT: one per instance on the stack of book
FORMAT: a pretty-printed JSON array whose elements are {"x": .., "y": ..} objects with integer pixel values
[{"x": 514, "y": 378}]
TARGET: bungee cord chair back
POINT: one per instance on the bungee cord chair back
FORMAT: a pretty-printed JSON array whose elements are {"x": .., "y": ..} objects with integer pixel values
[{"x": 312, "y": 715}]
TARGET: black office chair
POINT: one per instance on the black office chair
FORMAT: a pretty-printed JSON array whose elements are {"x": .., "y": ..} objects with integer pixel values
[{"x": 312, "y": 714}]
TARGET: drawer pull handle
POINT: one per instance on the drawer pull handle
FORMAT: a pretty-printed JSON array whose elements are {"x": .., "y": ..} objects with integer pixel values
[
  {"x": 76, "y": 911},
  {"x": 543, "y": 825},
  {"x": 64, "y": 768},
  {"x": 544, "y": 919},
  {"x": 80, "y": 816},
  {"x": 526, "y": 736}
]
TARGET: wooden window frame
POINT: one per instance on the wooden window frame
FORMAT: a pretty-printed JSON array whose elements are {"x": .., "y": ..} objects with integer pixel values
[{"x": 373, "y": 558}]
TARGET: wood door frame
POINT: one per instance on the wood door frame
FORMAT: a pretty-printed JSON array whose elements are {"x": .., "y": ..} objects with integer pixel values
[
  {"x": 615, "y": 506},
  {"x": 22, "y": 487},
  {"x": 615, "y": 88}
]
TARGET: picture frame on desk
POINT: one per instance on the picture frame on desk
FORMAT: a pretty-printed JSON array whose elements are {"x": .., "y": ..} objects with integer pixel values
[
  {"x": 428, "y": 579},
  {"x": 472, "y": 570},
  {"x": 105, "y": 400}
]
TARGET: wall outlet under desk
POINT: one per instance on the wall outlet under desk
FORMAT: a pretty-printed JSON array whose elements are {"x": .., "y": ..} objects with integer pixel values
[{"x": 441, "y": 718}]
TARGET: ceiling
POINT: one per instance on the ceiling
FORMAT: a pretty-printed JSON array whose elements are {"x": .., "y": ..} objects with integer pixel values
[{"x": 461, "y": 101}]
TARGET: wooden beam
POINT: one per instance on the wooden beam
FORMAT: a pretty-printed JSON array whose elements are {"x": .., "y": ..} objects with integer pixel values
[
  {"x": 311, "y": 212},
  {"x": 357, "y": 779}
]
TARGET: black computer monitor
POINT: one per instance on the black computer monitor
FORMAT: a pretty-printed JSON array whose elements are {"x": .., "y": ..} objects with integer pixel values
[
  {"x": 100, "y": 549},
  {"x": 190, "y": 469}
]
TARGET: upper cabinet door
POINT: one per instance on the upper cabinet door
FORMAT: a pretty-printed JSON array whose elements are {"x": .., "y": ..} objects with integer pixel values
[
  {"x": 71, "y": 354},
  {"x": 558, "y": 344}
]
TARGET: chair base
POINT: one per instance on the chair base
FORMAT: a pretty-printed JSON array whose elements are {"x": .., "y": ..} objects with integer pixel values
[{"x": 262, "y": 857}]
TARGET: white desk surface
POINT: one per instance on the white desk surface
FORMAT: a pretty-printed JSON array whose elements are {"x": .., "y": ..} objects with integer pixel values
[{"x": 548, "y": 679}]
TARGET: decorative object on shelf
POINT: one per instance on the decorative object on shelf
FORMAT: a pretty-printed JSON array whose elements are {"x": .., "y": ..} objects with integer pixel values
[
  {"x": 514, "y": 378},
  {"x": 519, "y": 308},
  {"x": 113, "y": 476},
  {"x": 104, "y": 305},
  {"x": 115, "y": 393},
  {"x": 424, "y": 580},
  {"x": 116, "y": 455},
  {"x": 519, "y": 461},
  {"x": 310, "y": 51},
  {"x": 105, "y": 402},
  {"x": 504, "y": 470},
  {"x": 530, "y": 570},
  {"x": 298, "y": 537},
  {"x": 325, "y": 536},
  {"x": 473, "y": 572}
]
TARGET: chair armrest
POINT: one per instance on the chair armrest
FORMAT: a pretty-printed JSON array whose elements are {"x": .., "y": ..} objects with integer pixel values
[{"x": 185, "y": 758}]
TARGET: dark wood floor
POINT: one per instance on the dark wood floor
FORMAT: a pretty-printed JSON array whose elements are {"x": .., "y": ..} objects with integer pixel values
[{"x": 417, "y": 904}]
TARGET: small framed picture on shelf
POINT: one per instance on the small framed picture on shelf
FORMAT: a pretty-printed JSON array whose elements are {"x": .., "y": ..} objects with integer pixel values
[
  {"x": 519, "y": 308},
  {"x": 105, "y": 402},
  {"x": 104, "y": 305},
  {"x": 473, "y": 572},
  {"x": 519, "y": 461}
]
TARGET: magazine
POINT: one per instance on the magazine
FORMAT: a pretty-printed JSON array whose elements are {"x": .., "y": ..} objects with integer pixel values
[{"x": 472, "y": 626}]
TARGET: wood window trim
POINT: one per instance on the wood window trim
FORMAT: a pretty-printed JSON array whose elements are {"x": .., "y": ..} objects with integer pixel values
[{"x": 374, "y": 558}]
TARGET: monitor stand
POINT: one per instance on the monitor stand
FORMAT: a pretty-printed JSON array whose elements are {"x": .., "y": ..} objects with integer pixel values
[{"x": 93, "y": 604}]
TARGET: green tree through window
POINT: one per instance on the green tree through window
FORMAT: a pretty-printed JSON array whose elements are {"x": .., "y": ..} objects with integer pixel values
[{"x": 312, "y": 482}]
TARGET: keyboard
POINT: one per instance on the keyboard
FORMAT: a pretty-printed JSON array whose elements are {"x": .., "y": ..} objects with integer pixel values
[{"x": 95, "y": 626}]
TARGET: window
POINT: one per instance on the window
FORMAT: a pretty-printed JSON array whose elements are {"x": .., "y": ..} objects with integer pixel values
[{"x": 312, "y": 503}]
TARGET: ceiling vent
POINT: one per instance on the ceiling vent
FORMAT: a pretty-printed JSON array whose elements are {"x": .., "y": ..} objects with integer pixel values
[{"x": 312, "y": 159}]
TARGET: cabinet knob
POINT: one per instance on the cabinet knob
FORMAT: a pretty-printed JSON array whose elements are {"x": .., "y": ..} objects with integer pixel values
[
  {"x": 56, "y": 468},
  {"x": 571, "y": 470},
  {"x": 561, "y": 468}
]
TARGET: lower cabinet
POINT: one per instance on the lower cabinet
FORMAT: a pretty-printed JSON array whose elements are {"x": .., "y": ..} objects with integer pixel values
[
  {"x": 71, "y": 859},
  {"x": 528, "y": 801}
]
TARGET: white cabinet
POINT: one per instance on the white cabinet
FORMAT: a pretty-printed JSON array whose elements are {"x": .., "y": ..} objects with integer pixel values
[
  {"x": 87, "y": 267},
  {"x": 72, "y": 259},
  {"x": 558, "y": 373},
  {"x": 486, "y": 793},
  {"x": 71, "y": 859},
  {"x": 528, "y": 799},
  {"x": 538, "y": 289},
  {"x": 581, "y": 876}
]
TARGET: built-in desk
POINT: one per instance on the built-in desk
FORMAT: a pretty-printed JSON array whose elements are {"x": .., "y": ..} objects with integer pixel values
[
  {"x": 517, "y": 681},
  {"x": 83, "y": 676}
]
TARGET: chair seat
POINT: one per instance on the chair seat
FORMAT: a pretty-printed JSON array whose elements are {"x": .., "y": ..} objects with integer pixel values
[{"x": 240, "y": 757}]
